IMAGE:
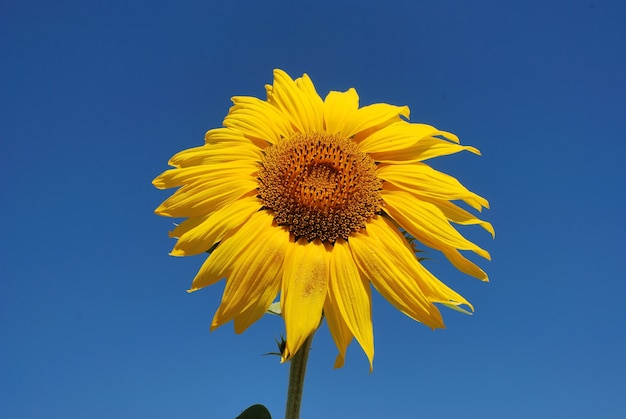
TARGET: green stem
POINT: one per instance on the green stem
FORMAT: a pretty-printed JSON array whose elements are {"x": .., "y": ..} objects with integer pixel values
[{"x": 297, "y": 370}]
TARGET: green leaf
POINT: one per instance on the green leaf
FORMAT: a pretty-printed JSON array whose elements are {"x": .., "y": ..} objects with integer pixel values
[
  {"x": 274, "y": 308},
  {"x": 256, "y": 411},
  {"x": 281, "y": 346}
]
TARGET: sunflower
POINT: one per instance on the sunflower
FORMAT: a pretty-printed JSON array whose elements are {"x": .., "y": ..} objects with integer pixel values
[{"x": 313, "y": 200}]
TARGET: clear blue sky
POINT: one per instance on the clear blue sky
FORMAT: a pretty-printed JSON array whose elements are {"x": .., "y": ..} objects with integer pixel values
[{"x": 97, "y": 95}]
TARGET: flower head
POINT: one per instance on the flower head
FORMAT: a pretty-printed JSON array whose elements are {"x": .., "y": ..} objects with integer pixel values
[{"x": 314, "y": 200}]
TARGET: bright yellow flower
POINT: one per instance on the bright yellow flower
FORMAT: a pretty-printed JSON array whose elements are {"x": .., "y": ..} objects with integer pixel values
[{"x": 313, "y": 200}]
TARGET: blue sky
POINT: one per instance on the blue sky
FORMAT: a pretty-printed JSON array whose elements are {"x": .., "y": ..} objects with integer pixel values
[{"x": 96, "y": 96}]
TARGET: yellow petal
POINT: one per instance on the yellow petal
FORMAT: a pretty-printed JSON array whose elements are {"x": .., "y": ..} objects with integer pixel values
[
  {"x": 305, "y": 84},
  {"x": 435, "y": 290},
  {"x": 216, "y": 153},
  {"x": 339, "y": 331},
  {"x": 202, "y": 198},
  {"x": 459, "y": 216},
  {"x": 464, "y": 265},
  {"x": 413, "y": 274},
  {"x": 257, "y": 118},
  {"x": 187, "y": 225},
  {"x": 215, "y": 227},
  {"x": 189, "y": 175},
  {"x": 304, "y": 290},
  {"x": 381, "y": 255},
  {"x": 256, "y": 276},
  {"x": 234, "y": 247},
  {"x": 426, "y": 222},
  {"x": 420, "y": 179},
  {"x": 301, "y": 107},
  {"x": 351, "y": 295},
  {"x": 372, "y": 118},
  {"x": 249, "y": 316},
  {"x": 399, "y": 135},
  {"x": 225, "y": 137},
  {"x": 339, "y": 111},
  {"x": 423, "y": 149}
]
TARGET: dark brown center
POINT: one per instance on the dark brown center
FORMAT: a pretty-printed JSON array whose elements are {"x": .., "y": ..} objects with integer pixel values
[{"x": 320, "y": 186}]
